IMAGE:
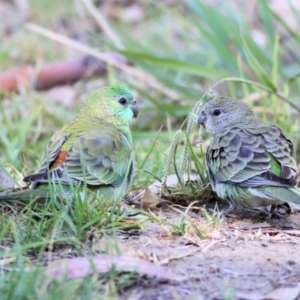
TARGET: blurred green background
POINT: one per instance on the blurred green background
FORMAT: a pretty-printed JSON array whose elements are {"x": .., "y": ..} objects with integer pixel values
[
  {"x": 185, "y": 46},
  {"x": 176, "y": 51}
]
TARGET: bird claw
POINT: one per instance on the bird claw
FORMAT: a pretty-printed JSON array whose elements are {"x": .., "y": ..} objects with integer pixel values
[{"x": 276, "y": 213}]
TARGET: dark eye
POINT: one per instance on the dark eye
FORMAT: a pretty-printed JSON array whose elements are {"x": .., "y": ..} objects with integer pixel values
[
  {"x": 216, "y": 112},
  {"x": 122, "y": 101}
]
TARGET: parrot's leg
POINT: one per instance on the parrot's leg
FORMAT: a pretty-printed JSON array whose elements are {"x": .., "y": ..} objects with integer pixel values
[
  {"x": 272, "y": 210},
  {"x": 227, "y": 210}
]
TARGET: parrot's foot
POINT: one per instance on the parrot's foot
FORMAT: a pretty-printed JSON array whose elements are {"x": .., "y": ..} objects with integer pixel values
[
  {"x": 273, "y": 213},
  {"x": 287, "y": 208},
  {"x": 278, "y": 211}
]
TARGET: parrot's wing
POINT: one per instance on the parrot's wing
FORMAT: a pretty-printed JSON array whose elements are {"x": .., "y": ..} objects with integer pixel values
[
  {"x": 53, "y": 148},
  {"x": 252, "y": 160},
  {"x": 104, "y": 158},
  {"x": 282, "y": 149},
  {"x": 52, "y": 151}
]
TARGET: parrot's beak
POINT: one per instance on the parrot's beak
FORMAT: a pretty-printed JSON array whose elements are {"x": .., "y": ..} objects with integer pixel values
[
  {"x": 202, "y": 119},
  {"x": 135, "y": 109}
]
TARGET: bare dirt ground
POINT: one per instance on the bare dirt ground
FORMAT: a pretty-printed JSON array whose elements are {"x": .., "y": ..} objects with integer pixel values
[{"x": 248, "y": 256}]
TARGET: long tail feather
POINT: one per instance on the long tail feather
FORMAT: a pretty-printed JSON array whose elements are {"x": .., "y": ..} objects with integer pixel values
[
  {"x": 290, "y": 195},
  {"x": 41, "y": 195}
]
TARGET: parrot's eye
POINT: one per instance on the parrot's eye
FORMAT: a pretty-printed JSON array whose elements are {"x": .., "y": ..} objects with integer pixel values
[
  {"x": 216, "y": 112},
  {"x": 123, "y": 101}
]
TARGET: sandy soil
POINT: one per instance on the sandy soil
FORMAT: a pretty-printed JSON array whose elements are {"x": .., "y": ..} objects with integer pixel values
[{"x": 249, "y": 256}]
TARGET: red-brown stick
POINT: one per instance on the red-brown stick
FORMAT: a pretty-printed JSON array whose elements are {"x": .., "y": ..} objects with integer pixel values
[{"x": 53, "y": 74}]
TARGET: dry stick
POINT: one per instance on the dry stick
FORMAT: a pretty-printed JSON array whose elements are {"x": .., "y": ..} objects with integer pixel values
[
  {"x": 265, "y": 229},
  {"x": 134, "y": 72},
  {"x": 53, "y": 74},
  {"x": 69, "y": 71},
  {"x": 77, "y": 45},
  {"x": 112, "y": 35},
  {"x": 104, "y": 25}
]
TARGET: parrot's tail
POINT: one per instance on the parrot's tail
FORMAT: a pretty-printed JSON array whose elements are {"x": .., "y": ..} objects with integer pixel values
[
  {"x": 289, "y": 195},
  {"x": 294, "y": 197},
  {"x": 26, "y": 195}
]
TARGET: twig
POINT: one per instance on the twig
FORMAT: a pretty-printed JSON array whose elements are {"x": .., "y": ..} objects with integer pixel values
[
  {"x": 55, "y": 73},
  {"x": 134, "y": 72},
  {"x": 104, "y": 25}
]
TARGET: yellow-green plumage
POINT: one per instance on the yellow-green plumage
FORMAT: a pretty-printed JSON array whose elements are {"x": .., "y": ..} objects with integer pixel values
[
  {"x": 275, "y": 166},
  {"x": 94, "y": 149}
]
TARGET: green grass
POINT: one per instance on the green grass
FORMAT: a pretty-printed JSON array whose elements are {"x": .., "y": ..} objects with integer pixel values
[{"x": 187, "y": 48}]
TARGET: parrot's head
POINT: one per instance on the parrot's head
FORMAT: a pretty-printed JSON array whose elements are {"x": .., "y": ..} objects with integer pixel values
[
  {"x": 113, "y": 101},
  {"x": 221, "y": 113}
]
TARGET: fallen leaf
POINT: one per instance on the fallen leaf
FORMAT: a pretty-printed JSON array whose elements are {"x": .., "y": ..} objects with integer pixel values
[
  {"x": 150, "y": 200},
  {"x": 79, "y": 267},
  {"x": 7, "y": 260},
  {"x": 5, "y": 181},
  {"x": 286, "y": 293}
]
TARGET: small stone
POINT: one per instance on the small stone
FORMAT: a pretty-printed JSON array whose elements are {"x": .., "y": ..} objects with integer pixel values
[
  {"x": 290, "y": 262},
  {"x": 264, "y": 243}
]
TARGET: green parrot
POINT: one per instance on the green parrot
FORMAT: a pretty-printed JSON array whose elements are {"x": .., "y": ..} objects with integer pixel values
[
  {"x": 94, "y": 149},
  {"x": 250, "y": 163}
]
